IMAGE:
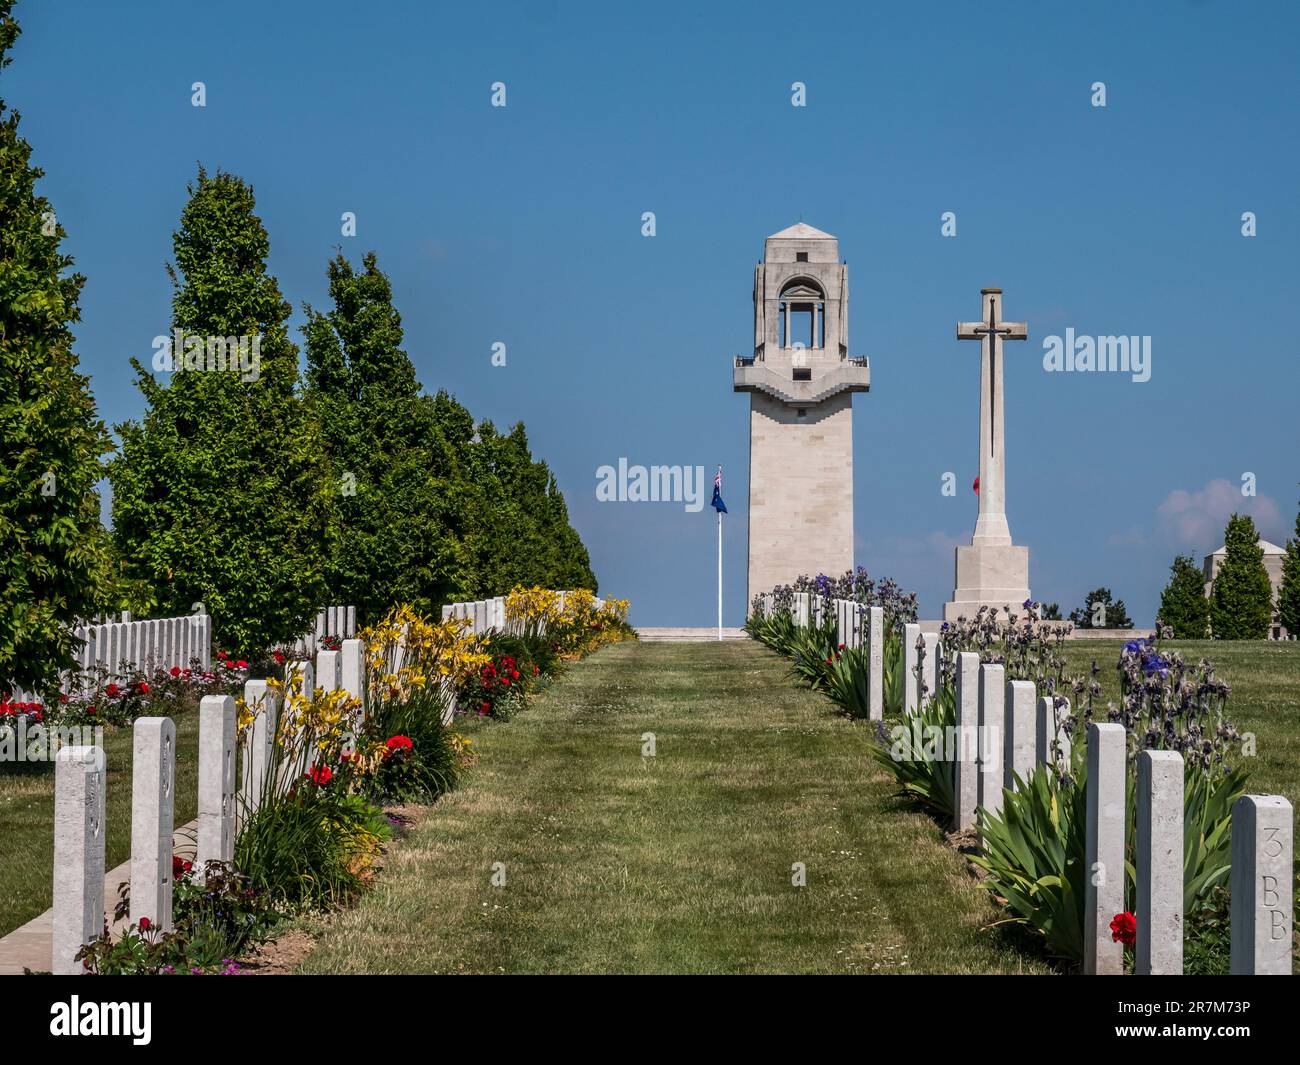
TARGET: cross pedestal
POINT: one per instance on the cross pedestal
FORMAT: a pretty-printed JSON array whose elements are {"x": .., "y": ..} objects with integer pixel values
[{"x": 992, "y": 571}]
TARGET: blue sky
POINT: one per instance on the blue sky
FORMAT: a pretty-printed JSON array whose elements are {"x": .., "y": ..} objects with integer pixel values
[{"x": 523, "y": 225}]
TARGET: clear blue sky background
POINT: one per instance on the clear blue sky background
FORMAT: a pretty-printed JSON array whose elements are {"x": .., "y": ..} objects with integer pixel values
[{"x": 522, "y": 225}]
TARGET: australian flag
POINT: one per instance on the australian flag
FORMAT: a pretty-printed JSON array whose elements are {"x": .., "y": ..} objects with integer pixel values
[{"x": 718, "y": 504}]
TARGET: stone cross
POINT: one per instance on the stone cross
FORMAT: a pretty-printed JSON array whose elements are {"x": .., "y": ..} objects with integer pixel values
[
  {"x": 875, "y": 663},
  {"x": 992, "y": 716},
  {"x": 153, "y": 786},
  {"x": 216, "y": 834},
  {"x": 1104, "y": 889},
  {"x": 991, "y": 525},
  {"x": 1158, "y": 905},
  {"x": 966, "y": 794},
  {"x": 911, "y": 634},
  {"x": 1262, "y": 886},
  {"x": 78, "y": 916}
]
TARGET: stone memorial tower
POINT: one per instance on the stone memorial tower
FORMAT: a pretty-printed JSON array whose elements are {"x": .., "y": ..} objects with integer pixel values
[{"x": 800, "y": 381}]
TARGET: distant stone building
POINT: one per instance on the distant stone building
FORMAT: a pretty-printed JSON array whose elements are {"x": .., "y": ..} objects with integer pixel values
[
  {"x": 1273, "y": 556},
  {"x": 800, "y": 379}
]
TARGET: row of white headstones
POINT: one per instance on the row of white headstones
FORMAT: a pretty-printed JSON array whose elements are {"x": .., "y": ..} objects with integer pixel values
[
  {"x": 118, "y": 646},
  {"x": 1003, "y": 732},
  {"x": 79, "y": 800},
  {"x": 486, "y": 614}
]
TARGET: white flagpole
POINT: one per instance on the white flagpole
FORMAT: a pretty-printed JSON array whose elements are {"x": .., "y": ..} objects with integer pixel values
[{"x": 719, "y": 575}]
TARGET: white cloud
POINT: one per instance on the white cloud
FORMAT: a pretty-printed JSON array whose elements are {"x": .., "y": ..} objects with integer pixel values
[{"x": 1197, "y": 519}]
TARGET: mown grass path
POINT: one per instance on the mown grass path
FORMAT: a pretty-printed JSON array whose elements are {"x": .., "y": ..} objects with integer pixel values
[{"x": 676, "y": 863}]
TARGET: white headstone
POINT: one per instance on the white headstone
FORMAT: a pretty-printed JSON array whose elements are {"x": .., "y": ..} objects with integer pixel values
[
  {"x": 929, "y": 669},
  {"x": 1021, "y": 729},
  {"x": 78, "y": 916},
  {"x": 911, "y": 656},
  {"x": 1104, "y": 884},
  {"x": 153, "y": 786},
  {"x": 1051, "y": 720},
  {"x": 875, "y": 621},
  {"x": 352, "y": 671},
  {"x": 1261, "y": 915},
  {"x": 992, "y": 712},
  {"x": 1158, "y": 906},
  {"x": 966, "y": 768},
  {"x": 259, "y": 760},
  {"x": 117, "y": 643},
  {"x": 216, "y": 834},
  {"x": 350, "y": 623},
  {"x": 327, "y": 670}
]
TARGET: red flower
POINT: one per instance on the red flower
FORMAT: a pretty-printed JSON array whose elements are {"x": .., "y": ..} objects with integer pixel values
[
  {"x": 180, "y": 866},
  {"x": 111, "y": 690},
  {"x": 279, "y": 657},
  {"x": 514, "y": 674},
  {"x": 505, "y": 681},
  {"x": 242, "y": 664},
  {"x": 484, "y": 708},
  {"x": 143, "y": 688},
  {"x": 398, "y": 743},
  {"x": 841, "y": 647},
  {"x": 1123, "y": 929},
  {"x": 321, "y": 775},
  {"x": 175, "y": 671},
  {"x": 90, "y": 709},
  {"x": 145, "y": 924},
  {"x": 534, "y": 669}
]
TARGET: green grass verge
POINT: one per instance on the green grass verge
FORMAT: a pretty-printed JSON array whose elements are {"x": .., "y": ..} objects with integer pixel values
[
  {"x": 1265, "y": 700},
  {"x": 678, "y": 863},
  {"x": 27, "y": 819}
]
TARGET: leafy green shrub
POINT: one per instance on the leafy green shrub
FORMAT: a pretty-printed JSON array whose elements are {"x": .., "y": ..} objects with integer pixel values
[
  {"x": 214, "y": 920},
  {"x": 1207, "y": 938},
  {"x": 422, "y": 771},
  {"x": 917, "y": 753},
  {"x": 313, "y": 846},
  {"x": 1035, "y": 851}
]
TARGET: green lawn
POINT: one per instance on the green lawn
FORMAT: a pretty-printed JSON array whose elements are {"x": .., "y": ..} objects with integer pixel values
[
  {"x": 676, "y": 863},
  {"x": 1265, "y": 680},
  {"x": 27, "y": 819}
]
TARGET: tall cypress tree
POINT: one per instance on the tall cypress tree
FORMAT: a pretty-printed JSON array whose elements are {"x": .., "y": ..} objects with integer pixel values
[
  {"x": 397, "y": 521},
  {"x": 1183, "y": 605},
  {"x": 1241, "y": 602},
  {"x": 1288, "y": 599},
  {"x": 52, "y": 545},
  {"x": 221, "y": 494}
]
